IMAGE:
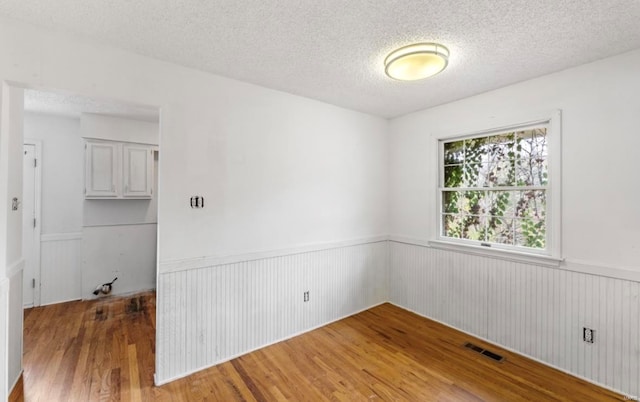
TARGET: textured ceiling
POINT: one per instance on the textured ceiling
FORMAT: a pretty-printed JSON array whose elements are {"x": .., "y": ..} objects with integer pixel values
[
  {"x": 74, "y": 105},
  {"x": 333, "y": 50}
]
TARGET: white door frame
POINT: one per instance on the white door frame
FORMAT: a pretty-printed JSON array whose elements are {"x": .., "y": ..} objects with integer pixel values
[{"x": 38, "y": 211}]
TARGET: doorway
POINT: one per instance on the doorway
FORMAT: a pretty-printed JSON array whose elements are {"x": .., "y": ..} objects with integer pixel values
[{"x": 54, "y": 241}]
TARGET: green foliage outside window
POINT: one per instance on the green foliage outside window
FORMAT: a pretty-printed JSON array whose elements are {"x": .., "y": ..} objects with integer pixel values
[{"x": 494, "y": 188}]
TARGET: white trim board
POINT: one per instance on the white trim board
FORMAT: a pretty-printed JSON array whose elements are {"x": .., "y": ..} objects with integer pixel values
[
  {"x": 608, "y": 271},
  {"x": 15, "y": 382},
  {"x": 61, "y": 236},
  {"x": 36, "y": 255},
  {"x": 120, "y": 224},
  {"x": 582, "y": 267},
  {"x": 15, "y": 268},
  {"x": 211, "y": 261}
]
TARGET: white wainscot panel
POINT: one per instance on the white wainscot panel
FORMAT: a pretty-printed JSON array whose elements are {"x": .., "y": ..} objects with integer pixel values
[
  {"x": 537, "y": 311},
  {"x": 60, "y": 267},
  {"x": 14, "y": 330},
  {"x": 437, "y": 284},
  {"x": 4, "y": 335},
  {"x": 212, "y": 314}
]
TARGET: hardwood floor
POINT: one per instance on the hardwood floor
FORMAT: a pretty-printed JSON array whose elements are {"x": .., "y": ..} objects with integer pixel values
[{"x": 104, "y": 350}]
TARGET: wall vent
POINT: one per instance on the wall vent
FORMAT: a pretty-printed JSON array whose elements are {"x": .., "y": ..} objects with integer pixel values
[{"x": 491, "y": 355}]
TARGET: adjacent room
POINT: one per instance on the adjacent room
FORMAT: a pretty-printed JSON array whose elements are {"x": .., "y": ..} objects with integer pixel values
[{"x": 259, "y": 200}]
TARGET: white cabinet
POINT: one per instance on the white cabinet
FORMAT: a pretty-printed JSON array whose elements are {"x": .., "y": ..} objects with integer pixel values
[
  {"x": 115, "y": 170},
  {"x": 137, "y": 170},
  {"x": 101, "y": 170}
]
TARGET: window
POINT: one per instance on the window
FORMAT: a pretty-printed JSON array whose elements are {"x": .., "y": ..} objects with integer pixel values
[{"x": 495, "y": 189}]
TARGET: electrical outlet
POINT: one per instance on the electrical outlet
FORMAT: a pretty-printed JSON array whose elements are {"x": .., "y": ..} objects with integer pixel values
[
  {"x": 306, "y": 296},
  {"x": 588, "y": 335}
]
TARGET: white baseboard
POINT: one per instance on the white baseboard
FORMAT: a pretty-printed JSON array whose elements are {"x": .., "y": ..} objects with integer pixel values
[{"x": 15, "y": 382}]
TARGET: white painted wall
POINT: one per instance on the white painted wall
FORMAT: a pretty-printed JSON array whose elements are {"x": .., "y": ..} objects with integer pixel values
[
  {"x": 10, "y": 237},
  {"x": 11, "y": 176},
  {"x": 119, "y": 129},
  {"x": 62, "y": 165},
  {"x": 535, "y": 310},
  {"x": 276, "y": 170},
  {"x": 258, "y": 156},
  {"x": 127, "y": 252}
]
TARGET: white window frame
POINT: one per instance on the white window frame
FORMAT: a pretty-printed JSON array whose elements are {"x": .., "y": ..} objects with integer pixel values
[{"x": 552, "y": 254}]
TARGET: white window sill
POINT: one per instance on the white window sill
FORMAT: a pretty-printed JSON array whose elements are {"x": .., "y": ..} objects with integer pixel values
[{"x": 516, "y": 256}]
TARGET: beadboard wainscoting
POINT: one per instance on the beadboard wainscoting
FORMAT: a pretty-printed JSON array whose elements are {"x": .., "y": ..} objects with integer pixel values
[
  {"x": 211, "y": 314},
  {"x": 14, "y": 333},
  {"x": 4, "y": 333},
  {"x": 533, "y": 310},
  {"x": 11, "y": 335},
  {"x": 60, "y": 270}
]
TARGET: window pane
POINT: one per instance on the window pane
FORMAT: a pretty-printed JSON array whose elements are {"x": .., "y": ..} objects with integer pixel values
[
  {"x": 532, "y": 144},
  {"x": 471, "y": 203},
  {"x": 489, "y": 174},
  {"x": 500, "y": 230},
  {"x": 532, "y": 172},
  {"x": 501, "y": 203},
  {"x": 475, "y": 175},
  {"x": 499, "y": 147},
  {"x": 530, "y": 232},
  {"x": 453, "y": 176},
  {"x": 474, "y": 150},
  {"x": 451, "y": 201},
  {"x": 453, "y": 152},
  {"x": 474, "y": 227},
  {"x": 531, "y": 204},
  {"x": 500, "y": 173},
  {"x": 452, "y": 226}
]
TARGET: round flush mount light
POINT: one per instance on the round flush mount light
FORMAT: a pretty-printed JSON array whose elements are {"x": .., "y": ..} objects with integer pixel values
[{"x": 417, "y": 61}]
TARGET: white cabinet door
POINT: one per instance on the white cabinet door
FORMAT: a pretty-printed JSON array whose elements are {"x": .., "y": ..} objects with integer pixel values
[
  {"x": 137, "y": 171},
  {"x": 101, "y": 170}
]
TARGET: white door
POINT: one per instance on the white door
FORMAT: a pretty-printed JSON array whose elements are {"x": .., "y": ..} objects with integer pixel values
[{"x": 31, "y": 270}]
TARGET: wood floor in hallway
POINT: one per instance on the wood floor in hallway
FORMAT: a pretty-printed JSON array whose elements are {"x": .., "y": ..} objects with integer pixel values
[{"x": 104, "y": 350}]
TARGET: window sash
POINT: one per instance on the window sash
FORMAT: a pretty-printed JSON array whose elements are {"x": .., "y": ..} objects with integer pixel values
[{"x": 513, "y": 161}]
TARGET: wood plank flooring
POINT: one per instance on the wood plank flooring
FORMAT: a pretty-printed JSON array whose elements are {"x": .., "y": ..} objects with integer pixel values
[{"x": 104, "y": 350}]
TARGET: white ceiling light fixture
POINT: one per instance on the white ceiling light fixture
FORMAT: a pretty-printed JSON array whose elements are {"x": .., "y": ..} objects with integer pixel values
[{"x": 416, "y": 62}]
